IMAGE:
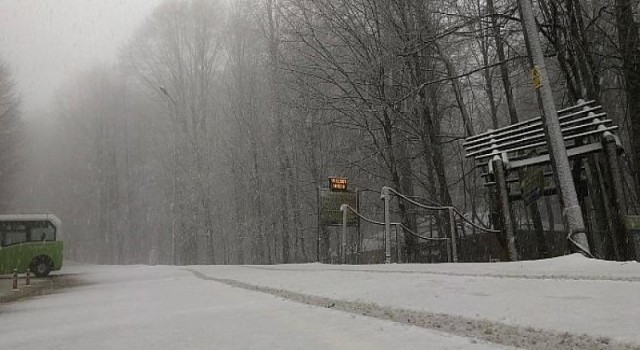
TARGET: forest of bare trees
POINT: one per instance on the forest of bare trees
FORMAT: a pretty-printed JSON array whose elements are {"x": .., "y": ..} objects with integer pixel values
[{"x": 207, "y": 141}]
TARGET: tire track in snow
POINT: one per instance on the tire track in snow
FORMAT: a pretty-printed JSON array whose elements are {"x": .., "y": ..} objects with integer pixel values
[
  {"x": 559, "y": 277},
  {"x": 494, "y": 332}
]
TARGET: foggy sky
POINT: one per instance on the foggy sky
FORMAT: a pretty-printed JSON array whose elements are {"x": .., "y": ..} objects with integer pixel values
[{"x": 45, "y": 42}]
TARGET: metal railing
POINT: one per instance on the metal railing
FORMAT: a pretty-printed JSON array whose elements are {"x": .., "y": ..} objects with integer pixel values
[
  {"x": 345, "y": 207},
  {"x": 451, "y": 241},
  {"x": 386, "y": 196}
]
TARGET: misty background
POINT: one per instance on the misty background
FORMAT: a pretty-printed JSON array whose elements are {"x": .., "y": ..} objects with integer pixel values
[{"x": 195, "y": 131}]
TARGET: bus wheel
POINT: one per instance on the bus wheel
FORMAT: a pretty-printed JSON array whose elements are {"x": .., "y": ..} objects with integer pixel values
[{"x": 41, "y": 266}]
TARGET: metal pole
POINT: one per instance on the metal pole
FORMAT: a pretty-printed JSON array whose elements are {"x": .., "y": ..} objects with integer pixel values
[
  {"x": 559, "y": 160},
  {"x": 343, "y": 236},
  {"x": 319, "y": 225},
  {"x": 174, "y": 192},
  {"x": 452, "y": 225},
  {"x": 174, "y": 114},
  {"x": 173, "y": 241},
  {"x": 358, "y": 232},
  {"x": 386, "y": 196},
  {"x": 175, "y": 198}
]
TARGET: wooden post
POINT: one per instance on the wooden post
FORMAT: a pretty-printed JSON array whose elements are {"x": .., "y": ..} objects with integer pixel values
[
  {"x": 503, "y": 203},
  {"x": 541, "y": 240},
  {"x": 598, "y": 210},
  {"x": 454, "y": 243},
  {"x": 398, "y": 260}
]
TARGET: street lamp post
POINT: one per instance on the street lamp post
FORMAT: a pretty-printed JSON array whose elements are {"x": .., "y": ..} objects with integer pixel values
[
  {"x": 386, "y": 197},
  {"x": 175, "y": 172}
]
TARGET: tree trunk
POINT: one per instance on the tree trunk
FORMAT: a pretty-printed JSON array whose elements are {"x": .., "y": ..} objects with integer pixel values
[{"x": 629, "y": 43}]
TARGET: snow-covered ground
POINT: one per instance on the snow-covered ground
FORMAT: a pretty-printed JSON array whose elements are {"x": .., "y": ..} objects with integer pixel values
[
  {"x": 143, "y": 307},
  {"x": 566, "y": 294},
  {"x": 194, "y": 307}
]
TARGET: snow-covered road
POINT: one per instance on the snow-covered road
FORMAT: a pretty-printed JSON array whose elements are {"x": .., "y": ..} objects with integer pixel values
[
  {"x": 160, "y": 307},
  {"x": 563, "y": 303},
  {"x": 568, "y": 294}
]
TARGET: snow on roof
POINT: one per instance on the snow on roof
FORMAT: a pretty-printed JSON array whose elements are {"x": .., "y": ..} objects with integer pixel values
[{"x": 32, "y": 217}]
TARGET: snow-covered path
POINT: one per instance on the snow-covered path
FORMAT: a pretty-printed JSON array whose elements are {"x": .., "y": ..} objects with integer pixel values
[
  {"x": 567, "y": 294},
  {"x": 140, "y": 307}
]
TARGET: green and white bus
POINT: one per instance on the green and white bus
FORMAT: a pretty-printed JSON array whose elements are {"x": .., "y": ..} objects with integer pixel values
[{"x": 30, "y": 241}]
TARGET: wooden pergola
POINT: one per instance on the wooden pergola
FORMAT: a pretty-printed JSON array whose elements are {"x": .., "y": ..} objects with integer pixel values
[{"x": 513, "y": 159}]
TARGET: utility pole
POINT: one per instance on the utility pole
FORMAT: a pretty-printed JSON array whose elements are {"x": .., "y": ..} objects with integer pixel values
[{"x": 572, "y": 213}]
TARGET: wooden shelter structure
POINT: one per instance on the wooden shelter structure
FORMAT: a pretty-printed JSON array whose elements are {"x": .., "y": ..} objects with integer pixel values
[{"x": 514, "y": 159}]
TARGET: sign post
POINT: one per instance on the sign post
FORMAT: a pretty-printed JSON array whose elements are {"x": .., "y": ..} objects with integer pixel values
[
  {"x": 343, "y": 236},
  {"x": 330, "y": 213}
]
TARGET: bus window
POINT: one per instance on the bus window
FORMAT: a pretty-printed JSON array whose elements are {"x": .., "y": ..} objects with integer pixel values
[
  {"x": 42, "y": 231},
  {"x": 14, "y": 233}
]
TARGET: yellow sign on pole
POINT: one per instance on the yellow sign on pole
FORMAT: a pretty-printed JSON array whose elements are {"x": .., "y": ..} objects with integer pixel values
[{"x": 535, "y": 76}]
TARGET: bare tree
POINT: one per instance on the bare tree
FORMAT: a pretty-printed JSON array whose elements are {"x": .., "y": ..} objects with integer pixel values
[
  {"x": 176, "y": 55},
  {"x": 11, "y": 140}
]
